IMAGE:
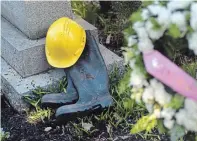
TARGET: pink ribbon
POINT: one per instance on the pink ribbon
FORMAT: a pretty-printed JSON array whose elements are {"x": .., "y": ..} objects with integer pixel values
[{"x": 170, "y": 74}]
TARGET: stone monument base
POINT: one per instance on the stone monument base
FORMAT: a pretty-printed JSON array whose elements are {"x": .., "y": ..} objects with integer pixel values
[{"x": 14, "y": 87}]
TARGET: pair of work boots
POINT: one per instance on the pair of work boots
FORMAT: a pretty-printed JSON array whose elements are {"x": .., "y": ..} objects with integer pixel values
[{"x": 87, "y": 88}]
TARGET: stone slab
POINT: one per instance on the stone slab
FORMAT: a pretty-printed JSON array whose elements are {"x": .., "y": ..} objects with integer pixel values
[
  {"x": 27, "y": 56},
  {"x": 15, "y": 87},
  {"x": 33, "y": 18}
]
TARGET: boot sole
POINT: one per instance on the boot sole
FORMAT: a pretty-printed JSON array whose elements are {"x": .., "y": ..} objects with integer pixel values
[{"x": 71, "y": 112}]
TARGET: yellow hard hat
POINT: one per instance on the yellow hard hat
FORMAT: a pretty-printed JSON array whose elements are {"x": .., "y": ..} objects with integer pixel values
[{"x": 65, "y": 42}]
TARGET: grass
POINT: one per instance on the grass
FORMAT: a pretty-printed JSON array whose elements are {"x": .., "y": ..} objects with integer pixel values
[
  {"x": 121, "y": 116},
  {"x": 191, "y": 68}
]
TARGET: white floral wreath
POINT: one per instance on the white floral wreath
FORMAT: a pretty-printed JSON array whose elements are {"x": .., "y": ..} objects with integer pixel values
[{"x": 177, "y": 19}]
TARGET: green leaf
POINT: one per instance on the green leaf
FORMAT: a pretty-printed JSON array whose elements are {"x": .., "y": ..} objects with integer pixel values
[
  {"x": 156, "y": 25},
  {"x": 176, "y": 102},
  {"x": 161, "y": 127},
  {"x": 176, "y": 132},
  {"x": 129, "y": 31},
  {"x": 136, "y": 17},
  {"x": 174, "y": 31},
  {"x": 188, "y": 15},
  {"x": 128, "y": 103},
  {"x": 146, "y": 3},
  {"x": 163, "y": 3},
  {"x": 146, "y": 123},
  {"x": 124, "y": 82},
  {"x": 190, "y": 29},
  {"x": 140, "y": 65}
]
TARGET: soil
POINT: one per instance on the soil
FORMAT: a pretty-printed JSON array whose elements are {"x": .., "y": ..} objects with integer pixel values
[{"x": 21, "y": 130}]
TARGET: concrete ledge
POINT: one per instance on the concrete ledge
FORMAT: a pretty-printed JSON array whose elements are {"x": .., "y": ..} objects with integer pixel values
[
  {"x": 14, "y": 86},
  {"x": 27, "y": 56},
  {"x": 33, "y": 18}
]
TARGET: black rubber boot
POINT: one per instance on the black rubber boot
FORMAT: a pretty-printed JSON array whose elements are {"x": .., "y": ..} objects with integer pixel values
[
  {"x": 90, "y": 78},
  {"x": 56, "y": 100}
]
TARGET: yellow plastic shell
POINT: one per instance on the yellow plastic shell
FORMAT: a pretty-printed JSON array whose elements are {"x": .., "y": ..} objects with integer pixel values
[{"x": 65, "y": 42}]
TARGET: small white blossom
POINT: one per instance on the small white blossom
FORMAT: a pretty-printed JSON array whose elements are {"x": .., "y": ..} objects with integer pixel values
[
  {"x": 131, "y": 40},
  {"x": 137, "y": 25},
  {"x": 148, "y": 95},
  {"x": 155, "y": 9},
  {"x": 192, "y": 41},
  {"x": 154, "y": 83},
  {"x": 145, "y": 14},
  {"x": 137, "y": 78},
  {"x": 167, "y": 113},
  {"x": 145, "y": 45},
  {"x": 163, "y": 17},
  {"x": 142, "y": 33},
  {"x": 157, "y": 113},
  {"x": 149, "y": 107},
  {"x": 161, "y": 96},
  {"x": 168, "y": 123},
  {"x": 137, "y": 52},
  {"x": 193, "y": 19},
  {"x": 126, "y": 57},
  {"x": 132, "y": 63},
  {"x": 138, "y": 98},
  {"x": 176, "y": 4},
  {"x": 191, "y": 107},
  {"x": 195, "y": 51},
  {"x": 184, "y": 118},
  {"x": 179, "y": 19},
  {"x": 154, "y": 34}
]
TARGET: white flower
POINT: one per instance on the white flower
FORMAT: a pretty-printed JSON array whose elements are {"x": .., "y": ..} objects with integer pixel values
[
  {"x": 137, "y": 25},
  {"x": 184, "y": 118},
  {"x": 137, "y": 78},
  {"x": 132, "y": 63},
  {"x": 145, "y": 14},
  {"x": 131, "y": 40},
  {"x": 126, "y": 57},
  {"x": 191, "y": 106},
  {"x": 154, "y": 83},
  {"x": 161, "y": 96},
  {"x": 163, "y": 17},
  {"x": 181, "y": 117},
  {"x": 154, "y": 34},
  {"x": 193, "y": 19},
  {"x": 155, "y": 9},
  {"x": 168, "y": 123},
  {"x": 145, "y": 45},
  {"x": 179, "y": 19},
  {"x": 191, "y": 125},
  {"x": 177, "y": 4},
  {"x": 167, "y": 113},
  {"x": 142, "y": 33},
  {"x": 157, "y": 113},
  {"x": 138, "y": 97},
  {"x": 195, "y": 51},
  {"x": 148, "y": 95},
  {"x": 149, "y": 107},
  {"x": 137, "y": 52},
  {"x": 192, "y": 41}
]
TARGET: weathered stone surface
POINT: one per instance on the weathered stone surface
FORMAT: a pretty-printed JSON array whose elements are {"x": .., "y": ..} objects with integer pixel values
[
  {"x": 27, "y": 56},
  {"x": 14, "y": 86},
  {"x": 34, "y": 17}
]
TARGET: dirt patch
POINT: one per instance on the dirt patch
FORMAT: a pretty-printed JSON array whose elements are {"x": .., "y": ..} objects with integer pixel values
[{"x": 21, "y": 130}]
